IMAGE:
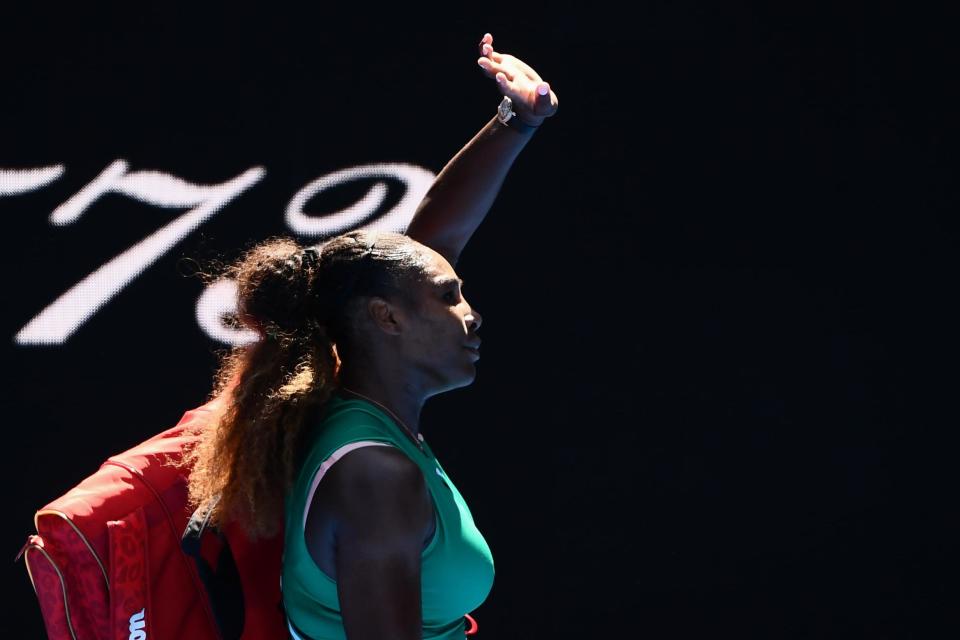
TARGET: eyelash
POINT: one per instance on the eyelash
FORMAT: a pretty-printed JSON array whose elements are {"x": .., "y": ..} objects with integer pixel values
[{"x": 450, "y": 296}]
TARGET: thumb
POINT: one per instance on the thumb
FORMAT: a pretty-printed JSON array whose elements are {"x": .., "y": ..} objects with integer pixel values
[{"x": 543, "y": 104}]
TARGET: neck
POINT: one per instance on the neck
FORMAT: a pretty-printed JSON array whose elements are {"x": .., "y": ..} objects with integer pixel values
[{"x": 403, "y": 403}]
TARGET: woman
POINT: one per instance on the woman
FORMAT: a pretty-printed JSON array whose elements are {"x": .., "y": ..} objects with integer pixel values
[{"x": 353, "y": 340}]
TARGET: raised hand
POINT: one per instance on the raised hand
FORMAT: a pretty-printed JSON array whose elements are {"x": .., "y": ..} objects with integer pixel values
[{"x": 533, "y": 100}]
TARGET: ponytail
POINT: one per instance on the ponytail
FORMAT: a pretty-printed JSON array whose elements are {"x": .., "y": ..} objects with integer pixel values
[{"x": 272, "y": 386}]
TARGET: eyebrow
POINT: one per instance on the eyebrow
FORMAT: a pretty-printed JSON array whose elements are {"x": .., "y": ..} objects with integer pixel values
[{"x": 446, "y": 281}]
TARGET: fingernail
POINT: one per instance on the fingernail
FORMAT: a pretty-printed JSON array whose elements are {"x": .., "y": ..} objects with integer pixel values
[{"x": 543, "y": 89}]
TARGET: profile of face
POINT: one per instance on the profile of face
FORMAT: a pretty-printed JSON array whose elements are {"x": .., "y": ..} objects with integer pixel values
[{"x": 439, "y": 338}]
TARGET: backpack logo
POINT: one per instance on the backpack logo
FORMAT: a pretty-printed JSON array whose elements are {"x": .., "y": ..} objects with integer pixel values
[{"x": 137, "y": 623}]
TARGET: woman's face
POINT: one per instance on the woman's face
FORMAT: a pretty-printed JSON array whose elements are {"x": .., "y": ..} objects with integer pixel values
[{"x": 440, "y": 340}]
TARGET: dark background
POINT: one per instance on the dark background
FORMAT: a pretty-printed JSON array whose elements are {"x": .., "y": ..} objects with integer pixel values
[{"x": 717, "y": 384}]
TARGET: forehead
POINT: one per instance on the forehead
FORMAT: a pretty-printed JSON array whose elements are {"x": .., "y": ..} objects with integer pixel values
[{"x": 437, "y": 270}]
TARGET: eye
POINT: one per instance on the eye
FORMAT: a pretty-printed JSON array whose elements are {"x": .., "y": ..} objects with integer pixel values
[{"x": 452, "y": 296}]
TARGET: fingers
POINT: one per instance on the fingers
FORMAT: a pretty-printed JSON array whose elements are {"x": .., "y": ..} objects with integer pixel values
[
  {"x": 487, "y": 39},
  {"x": 486, "y": 48},
  {"x": 494, "y": 69},
  {"x": 510, "y": 65},
  {"x": 493, "y": 55},
  {"x": 495, "y": 65}
]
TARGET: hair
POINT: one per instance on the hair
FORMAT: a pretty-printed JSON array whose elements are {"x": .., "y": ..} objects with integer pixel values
[{"x": 303, "y": 305}]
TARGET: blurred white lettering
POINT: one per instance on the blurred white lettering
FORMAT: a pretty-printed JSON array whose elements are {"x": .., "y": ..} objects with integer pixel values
[
  {"x": 67, "y": 313},
  {"x": 216, "y": 305},
  {"x": 416, "y": 181},
  {"x": 16, "y": 181},
  {"x": 61, "y": 318}
]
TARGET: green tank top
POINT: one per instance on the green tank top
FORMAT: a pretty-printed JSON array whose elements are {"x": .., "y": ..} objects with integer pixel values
[{"x": 457, "y": 566}]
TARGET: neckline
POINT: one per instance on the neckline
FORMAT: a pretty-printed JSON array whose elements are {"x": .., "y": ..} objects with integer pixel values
[{"x": 346, "y": 396}]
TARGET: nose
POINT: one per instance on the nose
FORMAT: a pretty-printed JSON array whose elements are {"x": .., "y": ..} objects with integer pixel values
[{"x": 473, "y": 319}]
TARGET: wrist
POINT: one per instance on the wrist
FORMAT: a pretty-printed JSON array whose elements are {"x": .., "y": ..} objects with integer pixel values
[
  {"x": 519, "y": 121},
  {"x": 517, "y": 125},
  {"x": 529, "y": 119}
]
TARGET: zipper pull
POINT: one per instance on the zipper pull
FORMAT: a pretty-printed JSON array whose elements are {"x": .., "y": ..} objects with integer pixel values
[{"x": 37, "y": 540}]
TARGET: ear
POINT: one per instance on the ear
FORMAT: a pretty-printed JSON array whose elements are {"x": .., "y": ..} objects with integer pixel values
[{"x": 385, "y": 315}]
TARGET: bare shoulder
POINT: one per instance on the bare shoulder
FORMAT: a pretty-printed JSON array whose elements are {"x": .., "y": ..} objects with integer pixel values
[
  {"x": 379, "y": 486},
  {"x": 377, "y": 469}
]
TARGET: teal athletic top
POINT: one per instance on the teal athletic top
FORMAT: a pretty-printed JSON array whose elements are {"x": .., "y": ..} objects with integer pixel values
[{"x": 457, "y": 566}]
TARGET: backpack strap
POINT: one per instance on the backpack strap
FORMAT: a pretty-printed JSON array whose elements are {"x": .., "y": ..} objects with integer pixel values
[
  {"x": 129, "y": 578},
  {"x": 222, "y": 582}
]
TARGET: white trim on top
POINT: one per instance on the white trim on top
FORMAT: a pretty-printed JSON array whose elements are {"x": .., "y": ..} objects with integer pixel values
[{"x": 329, "y": 462}]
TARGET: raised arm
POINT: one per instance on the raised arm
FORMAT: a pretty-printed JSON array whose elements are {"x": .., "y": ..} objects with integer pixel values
[{"x": 466, "y": 188}]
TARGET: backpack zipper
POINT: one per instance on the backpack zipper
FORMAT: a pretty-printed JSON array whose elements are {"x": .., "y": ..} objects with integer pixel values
[
  {"x": 63, "y": 584},
  {"x": 51, "y": 512}
]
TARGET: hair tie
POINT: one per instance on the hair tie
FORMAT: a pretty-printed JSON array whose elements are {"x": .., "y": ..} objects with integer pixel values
[{"x": 310, "y": 258}]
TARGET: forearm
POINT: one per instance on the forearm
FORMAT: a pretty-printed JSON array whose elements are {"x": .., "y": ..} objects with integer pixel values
[{"x": 466, "y": 188}]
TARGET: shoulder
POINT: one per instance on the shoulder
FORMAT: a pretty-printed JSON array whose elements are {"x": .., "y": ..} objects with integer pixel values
[
  {"x": 378, "y": 469},
  {"x": 376, "y": 486}
]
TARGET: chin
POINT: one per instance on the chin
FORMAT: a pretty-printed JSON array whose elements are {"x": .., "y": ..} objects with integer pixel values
[
  {"x": 458, "y": 383},
  {"x": 464, "y": 382}
]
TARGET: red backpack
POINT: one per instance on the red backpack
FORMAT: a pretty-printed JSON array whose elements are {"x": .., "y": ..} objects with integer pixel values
[{"x": 107, "y": 561}]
